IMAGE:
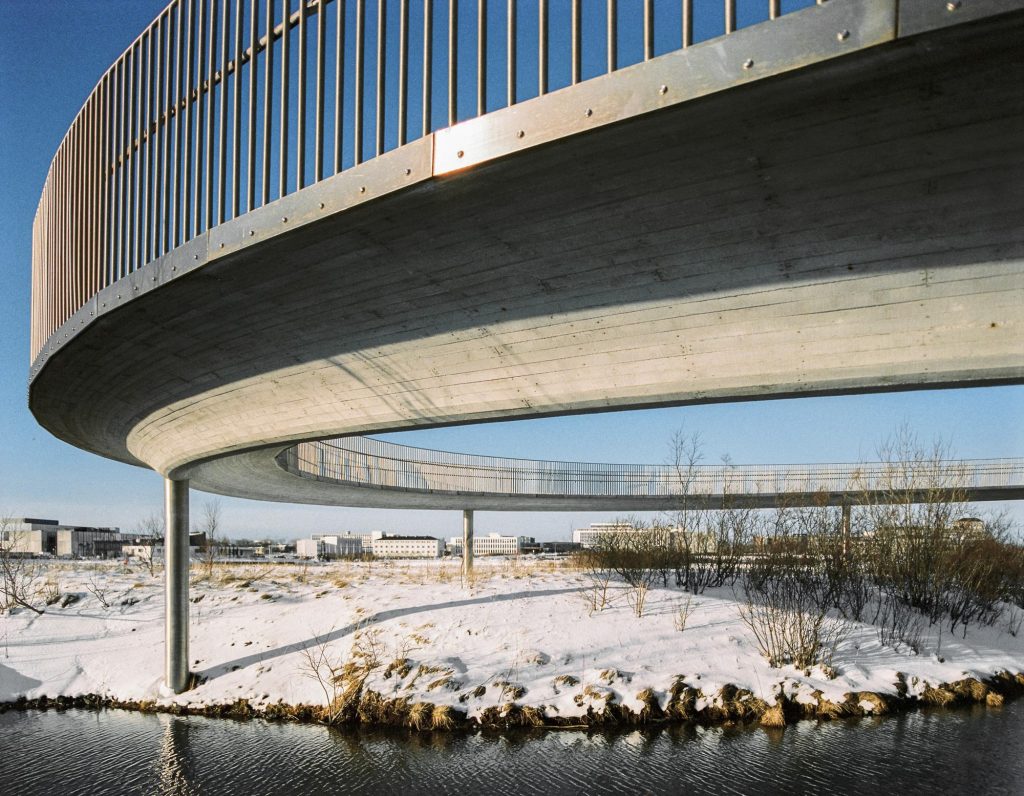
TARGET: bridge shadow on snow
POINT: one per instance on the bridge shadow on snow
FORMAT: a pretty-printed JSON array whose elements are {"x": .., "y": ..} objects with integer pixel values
[{"x": 381, "y": 616}]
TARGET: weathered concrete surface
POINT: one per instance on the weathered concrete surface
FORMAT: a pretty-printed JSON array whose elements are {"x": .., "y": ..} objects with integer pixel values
[{"x": 854, "y": 226}]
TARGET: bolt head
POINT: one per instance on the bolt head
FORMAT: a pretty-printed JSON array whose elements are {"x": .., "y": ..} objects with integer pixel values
[
  {"x": 663, "y": 90},
  {"x": 520, "y": 134},
  {"x": 321, "y": 205},
  {"x": 589, "y": 112},
  {"x": 843, "y": 35},
  {"x": 362, "y": 189},
  {"x": 748, "y": 64},
  {"x": 284, "y": 219},
  {"x": 953, "y": 6},
  {"x": 460, "y": 153}
]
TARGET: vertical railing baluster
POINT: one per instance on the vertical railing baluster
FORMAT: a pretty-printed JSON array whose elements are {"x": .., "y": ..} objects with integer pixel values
[
  {"x": 176, "y": 154},
  {"x": 200, "y": 75},
  {"x": 268, "y": 103},
  {"x": 146, "y": 244},
  {"x": 403, "y": 69},
  {"x": 481, "y": 57},
  {"x": 649, "y": 29},
  {"x": 510, "y": 44},
  {"x": 339, "y": 86},
  {"x": 186, "y": 166},
  {"x": 222, "y": 115},
  {"x": 687, "y": 14},
  {"x": 428, "y": 52},
  {"x": 236, "y": 107},
  {"x": 282, "y": 153},
  {"x": 208, "y": 140},
  {"x": 774, "y": 9},
  {"x": 357, "y": 97},
  {"x": 542, "y": 47},
  {"x": 382, "y": 23},
  {"x": 300, "y": 99},
  {"x": 453, "y": 61},
  {"x": 613, "y": 35},
  {"x": 577, "y": 35},
  {"x": 132, "y": 205},
  {"x": 318, "y": 129},
  {"x": 158, "y": 138},
  {"x": 730, "y": 16}
]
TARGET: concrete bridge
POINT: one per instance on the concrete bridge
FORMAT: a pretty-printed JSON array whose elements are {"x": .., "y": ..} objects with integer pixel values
[{"x": 278, "y": 222}]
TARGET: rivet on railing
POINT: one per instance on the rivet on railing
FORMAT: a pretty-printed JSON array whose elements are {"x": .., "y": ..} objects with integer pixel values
[
  {"x": 408, "y": 172},
  {"x": 284, "y": 219},
  {"x": 460, "y": 153},
  {"x": 953, "y": 6},
  {"x": 843, "y": 35},
  {"x": 321, "y": 205},
  {"x": 252, "y": 232},
  {"x": 748, "y": 64},
  {"x": 362, "y": 189},
  {"x": 663, "y": 90},
  {"x": 520, "y": 134},
  {"x": 588, "y": 112}
]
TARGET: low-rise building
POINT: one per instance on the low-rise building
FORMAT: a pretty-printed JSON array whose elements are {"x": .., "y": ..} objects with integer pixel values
[
  {"x": 492, "y": 544},
  {"x": 32, "y": 536},
  {"x": 327, "y": 546},
  {"x": 389, "y": 546},
  {"x": 591, "y": 537}
]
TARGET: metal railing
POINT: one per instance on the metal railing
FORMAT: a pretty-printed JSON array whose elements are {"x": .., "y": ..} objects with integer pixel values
[
  {"x": 366, "y": 462},
  {"x": 220, "y": 107}
]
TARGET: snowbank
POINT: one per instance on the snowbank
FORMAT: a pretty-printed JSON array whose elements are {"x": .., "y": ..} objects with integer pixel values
[{"x": 518, "y": 645}]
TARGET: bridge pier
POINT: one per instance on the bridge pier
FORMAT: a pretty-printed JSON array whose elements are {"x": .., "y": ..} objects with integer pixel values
[
  {"x": 467, "y": 542},
  {"x": 176, "y": 585}
]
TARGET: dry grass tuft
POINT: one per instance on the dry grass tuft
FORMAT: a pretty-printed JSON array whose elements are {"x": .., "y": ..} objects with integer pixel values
[
  {"x": 774, "y": 716},
  {"x": 442, "y": 717},
  {"x": 421, "y": 716}
]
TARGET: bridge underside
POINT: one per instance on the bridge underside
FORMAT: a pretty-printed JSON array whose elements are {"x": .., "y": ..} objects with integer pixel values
[{"x": 849, "y": 227}]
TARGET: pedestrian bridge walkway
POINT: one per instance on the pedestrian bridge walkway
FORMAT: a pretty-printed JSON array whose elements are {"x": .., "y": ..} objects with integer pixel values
[{"x": 387, "y": 474}]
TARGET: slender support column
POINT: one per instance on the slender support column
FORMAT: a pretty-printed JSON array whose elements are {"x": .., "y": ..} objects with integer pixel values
[
  {"x": 846, "y": 529},
  {"x": 467, "y": 542},
  {"x": 176, "y": 588}
]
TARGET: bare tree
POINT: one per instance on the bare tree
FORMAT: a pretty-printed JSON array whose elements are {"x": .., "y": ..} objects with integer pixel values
[
  {"x": 150, "y": 533},
  {"x": 208, "y": 525},
  {"x": 20, "y": 578}
]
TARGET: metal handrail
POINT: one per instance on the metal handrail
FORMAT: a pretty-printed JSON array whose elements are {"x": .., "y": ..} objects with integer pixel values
[
  {"x": 220, "y": 107},
  {"x": 367, "y": 462}
]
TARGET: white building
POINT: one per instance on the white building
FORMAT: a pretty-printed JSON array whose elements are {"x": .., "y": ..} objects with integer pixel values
[
  {"x": 35, "y": 537},
  {"x": 387, "y": 546},
  {"x": 493, "y": 544},
  {"x": 591, "y": 537},
  {"x": 322, "y": 545}
]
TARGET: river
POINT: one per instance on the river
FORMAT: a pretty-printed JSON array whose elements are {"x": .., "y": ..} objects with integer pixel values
[{"x": 976, "y": 751}]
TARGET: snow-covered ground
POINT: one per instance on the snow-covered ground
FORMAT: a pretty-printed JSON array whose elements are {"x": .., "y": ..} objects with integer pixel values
[{"x": 523, "y": 632}]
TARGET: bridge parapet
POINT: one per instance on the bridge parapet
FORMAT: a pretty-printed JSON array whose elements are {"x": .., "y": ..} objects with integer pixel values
[
  {"x": 375, "y": 464},
  {"x": 193, "y": 143}
]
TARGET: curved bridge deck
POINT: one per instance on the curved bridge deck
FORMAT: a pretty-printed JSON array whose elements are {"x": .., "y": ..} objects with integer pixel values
[{"x": 390, "y": 475}]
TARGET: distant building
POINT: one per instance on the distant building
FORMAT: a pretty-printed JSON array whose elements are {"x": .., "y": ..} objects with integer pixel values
[
  {"x": 32, "y": 536},
  {"x": 327, "y": 546},
  {"x": 388, "y": 546},
  {"x": 493, "y": 544},
  {"x": 591, "y": 537}
]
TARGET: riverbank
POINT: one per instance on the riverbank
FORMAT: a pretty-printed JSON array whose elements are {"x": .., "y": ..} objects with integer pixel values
[{"x": 409, "y": 644}]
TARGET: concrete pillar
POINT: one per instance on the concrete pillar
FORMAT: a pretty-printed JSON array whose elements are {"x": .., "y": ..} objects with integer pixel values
[
  {"x": 176, "y": 587},
  {"x": 846, "y": 529},
  {"x": 467, "y": 542}
]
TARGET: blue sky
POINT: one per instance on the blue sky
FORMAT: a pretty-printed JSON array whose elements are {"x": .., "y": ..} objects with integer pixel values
[{"x": 52, "y": 53}]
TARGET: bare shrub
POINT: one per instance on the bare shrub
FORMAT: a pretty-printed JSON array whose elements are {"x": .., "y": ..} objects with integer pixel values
[
  {"x": 20, "y": 576},
  {"x": 787, "y": 595},
  {"x": 682, "y": 614}
]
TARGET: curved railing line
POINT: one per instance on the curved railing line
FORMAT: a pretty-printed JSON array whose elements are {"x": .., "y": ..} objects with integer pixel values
[
  {"x": 367, "y": 462},
  {"x": 208, "y": 114}
]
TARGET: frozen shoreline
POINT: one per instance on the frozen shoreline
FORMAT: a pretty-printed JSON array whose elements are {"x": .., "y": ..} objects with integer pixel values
[{"x": 519, "y": 645}]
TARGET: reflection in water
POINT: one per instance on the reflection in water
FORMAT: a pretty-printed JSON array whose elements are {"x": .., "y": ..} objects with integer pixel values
[
  {"x": 112, "y": 752},
  {"x": 173, "y": 766}
]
